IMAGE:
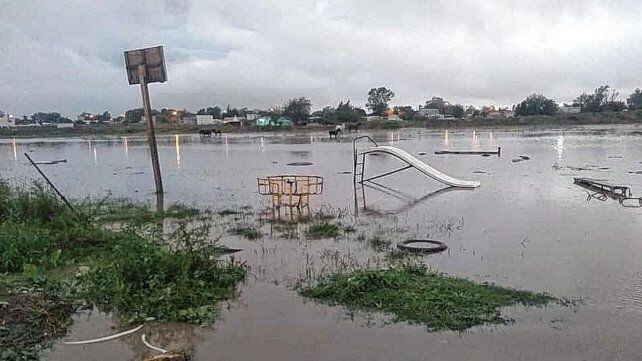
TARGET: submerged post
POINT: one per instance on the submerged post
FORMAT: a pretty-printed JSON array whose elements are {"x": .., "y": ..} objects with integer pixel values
[
  {"x": 151, "y": 134},
  {"x": 146, "y": 66}
]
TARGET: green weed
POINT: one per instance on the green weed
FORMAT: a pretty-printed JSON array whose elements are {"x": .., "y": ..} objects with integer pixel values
[
  {"x": 247, "y": 232},
  {"x": 323, "y": 230},
  {"x": 415, "y": 294}
]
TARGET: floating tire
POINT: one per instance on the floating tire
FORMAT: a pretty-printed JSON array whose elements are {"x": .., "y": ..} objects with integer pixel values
[{"x": 422, "y": 245}]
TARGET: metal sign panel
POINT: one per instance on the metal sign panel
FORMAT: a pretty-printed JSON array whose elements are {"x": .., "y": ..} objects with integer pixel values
[{"x": 154, "y": 61}]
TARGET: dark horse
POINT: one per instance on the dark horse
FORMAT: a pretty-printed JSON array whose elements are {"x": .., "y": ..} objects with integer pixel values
[
  {"x": 354, "y": 126},
  {"x": 207, "y": 133},
  {"x": 336, "y": 133}
]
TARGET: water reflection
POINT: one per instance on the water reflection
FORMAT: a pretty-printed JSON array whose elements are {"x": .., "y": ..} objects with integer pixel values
[
  {"x": 95, "y": 155},
  {"x": 178, "y": 149},
  {"x": 15, "y": 150},
  {"x": 126, "y": 146},
  {"x": 474, "y": 143},
  {"x": 560, "y": 146},
  {"x": 446, "y": 141}
]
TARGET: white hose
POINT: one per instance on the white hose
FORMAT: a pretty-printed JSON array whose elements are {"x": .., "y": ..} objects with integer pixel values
[
  {"x": 106, "y": 338},
  {"x": 142, "y": 337}
]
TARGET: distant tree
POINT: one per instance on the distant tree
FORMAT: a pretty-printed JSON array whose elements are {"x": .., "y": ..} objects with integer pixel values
[
  {"x": 595, "y": 102},
  {"x": 1, "y": 113},
  {"x": 404, "y": 112},
  {"x": 378, "y": 99},
  {"x": 634, "y": 101},
  {"x": 104, "y": 117},
  {"x": 346, "y": 113},
  {"x": 215, "y": 111},
  {"x": 49, "y": 118},
  {"x": 457, "y": 111},
  {"x": 298, "y": 109},
  {"x": 438, "y": 103},
  {"x": 536, "y": 104},
  {"x": 136, "y": 115}
]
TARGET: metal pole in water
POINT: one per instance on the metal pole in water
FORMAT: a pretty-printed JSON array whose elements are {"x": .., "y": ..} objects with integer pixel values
[
  {"x": 50, "y": 184},
  {"x": 153, "y": 149}
]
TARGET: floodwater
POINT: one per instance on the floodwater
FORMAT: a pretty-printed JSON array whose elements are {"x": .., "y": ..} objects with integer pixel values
[{"x": 527, "y": 226}]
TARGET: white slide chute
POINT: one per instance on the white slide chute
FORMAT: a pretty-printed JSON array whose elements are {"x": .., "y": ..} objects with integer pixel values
[{"x": 421, "y": 166}]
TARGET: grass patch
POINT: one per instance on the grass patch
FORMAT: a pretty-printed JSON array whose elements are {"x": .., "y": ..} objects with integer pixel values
[
  {"x": 246, "y": 232},
  {"x": 417, "y": 295},
  {"x": 128, "y": 270},
  {"x": 379, "y": 243},
  {"x": 33, "y": 312},
  {"x": 323, "y": 230}
]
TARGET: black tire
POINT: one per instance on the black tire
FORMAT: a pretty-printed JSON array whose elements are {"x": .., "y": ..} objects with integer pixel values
[{"x": 436, "y": 248}]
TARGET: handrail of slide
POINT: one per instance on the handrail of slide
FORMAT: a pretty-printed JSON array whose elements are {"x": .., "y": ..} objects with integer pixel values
[{"x": 422, "y": 167}]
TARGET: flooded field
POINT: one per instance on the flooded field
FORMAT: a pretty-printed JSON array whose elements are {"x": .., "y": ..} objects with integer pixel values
[{"x": 527, "y": 226}]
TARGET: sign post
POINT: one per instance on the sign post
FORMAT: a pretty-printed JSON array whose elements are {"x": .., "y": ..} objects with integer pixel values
[{"x": 148, "y": 66}]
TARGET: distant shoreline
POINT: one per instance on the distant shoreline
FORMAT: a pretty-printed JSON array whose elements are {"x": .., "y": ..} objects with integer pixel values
[{"x": 522, "y": 123}]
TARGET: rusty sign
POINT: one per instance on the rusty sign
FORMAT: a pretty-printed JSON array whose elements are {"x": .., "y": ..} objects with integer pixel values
[{"x": 154, "y": 61}]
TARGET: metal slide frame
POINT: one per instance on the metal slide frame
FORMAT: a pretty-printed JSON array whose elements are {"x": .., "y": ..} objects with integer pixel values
[{"x": 359, "y": 165}]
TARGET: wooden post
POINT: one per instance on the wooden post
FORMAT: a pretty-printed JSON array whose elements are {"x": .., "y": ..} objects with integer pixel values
[{"x": 153, "y": 150}]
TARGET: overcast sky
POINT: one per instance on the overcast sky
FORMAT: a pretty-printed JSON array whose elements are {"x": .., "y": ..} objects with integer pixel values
[{"x": 67, "y": 56}]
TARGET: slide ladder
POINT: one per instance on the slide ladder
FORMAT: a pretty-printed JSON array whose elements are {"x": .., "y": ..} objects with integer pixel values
[{"x": 359, "y": 162}]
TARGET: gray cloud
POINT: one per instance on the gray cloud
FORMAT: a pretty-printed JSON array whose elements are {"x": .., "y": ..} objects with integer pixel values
[{"x": 67, "y": 55}]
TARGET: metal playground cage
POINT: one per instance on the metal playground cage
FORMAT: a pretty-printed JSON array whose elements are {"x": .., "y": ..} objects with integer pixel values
[{"x": 290, "y": 190}]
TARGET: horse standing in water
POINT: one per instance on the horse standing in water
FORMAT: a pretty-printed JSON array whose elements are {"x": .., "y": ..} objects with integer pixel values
[
  {"x": 354, "y": 126},
  {"x": 337, "y": 132}
]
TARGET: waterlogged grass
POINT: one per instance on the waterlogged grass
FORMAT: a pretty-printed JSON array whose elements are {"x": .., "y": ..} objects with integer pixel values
[
  {"x": 129, "y": 270},
  {"x": 323, "y": 230},
  {"x": 24, "y": 334},
  {"x": 417, "y": 295},
  {"x": 246, "y": 232}
]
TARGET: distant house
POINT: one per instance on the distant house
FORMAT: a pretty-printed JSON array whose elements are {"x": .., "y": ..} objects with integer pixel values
[
  {"x": 428, "y": 112},
  {"x": 65, "y": 125},
  {"x": 264, "y": 122},
  {"x": 251, "y": 116},
  {"x": 206, "y": 119},
  {"x": 569, "y": 109},
  {"x": 370, "y": 118},
  {"x": 394, "y": 117},
  {"x": 284, "y": 122},
  {"x": 189, "y": 120},
  {"x": 233, "y": 120},
  {"x": 7, "y": 121}
]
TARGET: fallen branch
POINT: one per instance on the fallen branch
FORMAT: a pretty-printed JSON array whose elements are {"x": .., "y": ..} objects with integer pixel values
[{"x": 106, "y": 338}]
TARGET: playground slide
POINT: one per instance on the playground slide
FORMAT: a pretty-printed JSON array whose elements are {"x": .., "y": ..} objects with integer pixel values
[{"x": 422, "y": 167}]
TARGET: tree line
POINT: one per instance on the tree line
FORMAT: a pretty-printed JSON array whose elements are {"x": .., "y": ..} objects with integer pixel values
[{"x": 299, "y": 110}]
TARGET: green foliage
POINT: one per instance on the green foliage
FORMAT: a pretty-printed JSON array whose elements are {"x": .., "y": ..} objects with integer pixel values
[
  {"x": 378, "y": 99},
  {"x": 602, "y": 99},
  {"x": 323, "y": 230},
  {"x": 298, "y": 109},
  {"x": 445, "y": 107},
  {"x": 142, "y": 280},
  {"x": 634, "y": 101},
  {"x": 415, "y": 294},
  {"x": 33, "y": 312},
  {"x": 125, "y": 269},
  {"x": 247, "y": 232},
  {"x": 536, "y": 104}
]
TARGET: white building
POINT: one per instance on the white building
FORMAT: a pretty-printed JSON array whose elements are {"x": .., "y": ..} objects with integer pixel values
[
  {"x": 251, "y": 116},
  {"x": 569, "y": 109},
  {"x": 428, "y": 112},
  {"x": 394, "y": 117},
  {"x": 204, "y": 119},
  {"x": 65, "y": 125},
  {"x": 233, "y": 120},
  {"x": 370, "y": 118},
  {"x": 7, "y": 121}
]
